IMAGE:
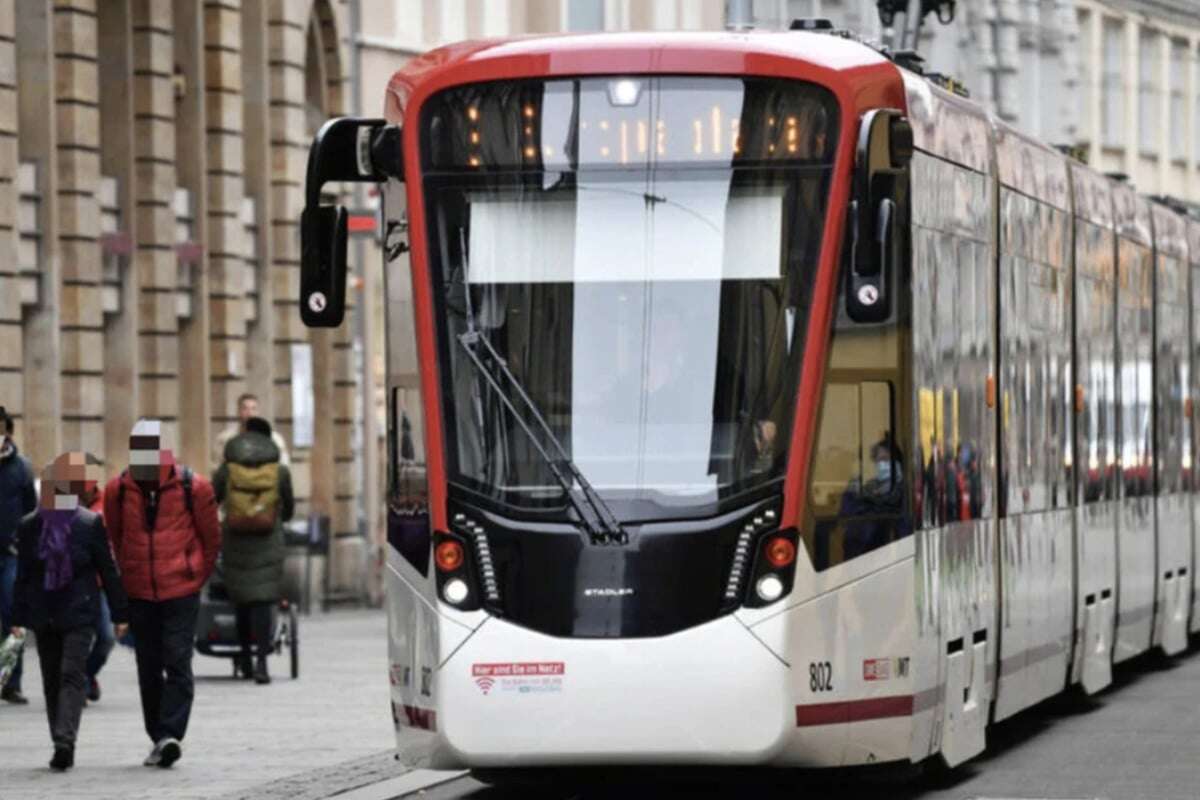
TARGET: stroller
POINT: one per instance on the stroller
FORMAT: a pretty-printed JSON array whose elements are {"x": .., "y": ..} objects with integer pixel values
[{"x": 216, "y": 626}]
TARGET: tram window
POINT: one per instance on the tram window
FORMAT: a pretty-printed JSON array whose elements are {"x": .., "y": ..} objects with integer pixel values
[
  {"x": 857, "y": 494},
  {"x": 407, "y": 503},
  {"x": 645, "y": 273}
]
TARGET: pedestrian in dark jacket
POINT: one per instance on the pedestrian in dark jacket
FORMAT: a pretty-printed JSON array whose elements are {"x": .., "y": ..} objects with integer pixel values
[
  {"x": 63, "y": 551},
  {"x": 17, "y": 498},
  {"x": 162, "y": 520},
  {"x": 255, "y": 490},
  {"x": 93, "y": 500}
]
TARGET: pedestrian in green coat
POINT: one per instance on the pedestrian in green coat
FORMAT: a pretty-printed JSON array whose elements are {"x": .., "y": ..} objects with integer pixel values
[{"x": 253, "y": 552}]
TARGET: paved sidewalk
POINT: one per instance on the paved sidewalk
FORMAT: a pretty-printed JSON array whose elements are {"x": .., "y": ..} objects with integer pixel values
[{"x": 241, "y": 734}]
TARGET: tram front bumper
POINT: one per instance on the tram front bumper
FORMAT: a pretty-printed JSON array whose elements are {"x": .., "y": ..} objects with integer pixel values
[{"x": 514, "y": 697}]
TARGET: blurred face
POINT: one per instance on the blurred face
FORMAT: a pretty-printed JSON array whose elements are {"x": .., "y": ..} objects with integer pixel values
[
  {"x": 247, "y": 408},
  {"x": 64, "y": 481},
  {"x": 145, "y": 458}
]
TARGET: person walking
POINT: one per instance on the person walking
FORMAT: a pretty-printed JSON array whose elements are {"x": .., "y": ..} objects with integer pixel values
[
  {"x": 255, "y": 490},
  {"x": 17, "y": 498},
  {"x": 63, "y": 551},
  {"x": 247, "y": 407},
  {"x": 93, "y": 500},
  {"x": 162, "y": 521}
]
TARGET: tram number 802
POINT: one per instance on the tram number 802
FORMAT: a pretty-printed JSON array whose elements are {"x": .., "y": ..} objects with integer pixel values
[{"x": 820, "y": 676}]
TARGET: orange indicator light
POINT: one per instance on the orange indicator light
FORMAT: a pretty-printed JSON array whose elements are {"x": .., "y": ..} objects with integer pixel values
[
  {"x": 780, "y": 552},
  {"x": 448, "y": 556}
]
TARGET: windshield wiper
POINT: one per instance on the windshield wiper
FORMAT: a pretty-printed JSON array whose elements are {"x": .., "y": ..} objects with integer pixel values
[{"x": 598, "y": 520}]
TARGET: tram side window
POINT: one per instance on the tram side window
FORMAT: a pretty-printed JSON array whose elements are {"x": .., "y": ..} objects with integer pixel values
[
  {"x": 1134, "y": 315},
  {"x": 407, "y": 496},
  {"x": 857, "y": 492},
  {"x": 953, "y": 330}
]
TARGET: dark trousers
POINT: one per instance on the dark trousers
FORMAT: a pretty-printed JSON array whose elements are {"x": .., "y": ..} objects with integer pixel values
[
  {"x": 163, "y": 633},
  {"x": 8, "y": 580},
  {"x": 254, "y": 623},
  {"x": 63, "y": 658},
  {"x": 104, "y": 640}
]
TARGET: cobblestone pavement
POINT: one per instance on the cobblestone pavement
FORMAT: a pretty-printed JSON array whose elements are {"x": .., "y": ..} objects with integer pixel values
[{"x": 332, "y": 726}]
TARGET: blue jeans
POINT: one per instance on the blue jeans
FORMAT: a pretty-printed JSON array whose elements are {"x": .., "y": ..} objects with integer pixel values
[
  {"x": 8, "y": 581},
  {"x": 104, "y": 642}
]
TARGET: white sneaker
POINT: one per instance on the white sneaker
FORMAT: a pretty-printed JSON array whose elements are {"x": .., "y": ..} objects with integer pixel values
[
  {"x": 169, "y": 752},
  {"x": 155, "y": 757}
]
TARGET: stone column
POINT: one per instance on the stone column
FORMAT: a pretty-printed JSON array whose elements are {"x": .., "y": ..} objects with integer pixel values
[
  {"x": 77, "y": 118},
  {"x": 155, "y": 259},
  {"x": 345, "y": 476},
  {"x": 256, "y": 147},
  {"x": 117, "y": 160},
  {"x": 191, "y": 151},
  {"x": 1132, "y": 80},
  {"x": 41, "y": 434},
  {"x": 226, "y": 188},
  {"x": 288, "y": 129},
  {"x": 11, "y": 341}
]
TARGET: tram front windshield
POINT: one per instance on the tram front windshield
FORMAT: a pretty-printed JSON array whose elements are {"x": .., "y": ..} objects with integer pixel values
[{"x": 641, "y": 252}]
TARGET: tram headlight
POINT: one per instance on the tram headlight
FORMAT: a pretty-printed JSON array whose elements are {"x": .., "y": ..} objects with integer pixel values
[
  {"x": 455, "y": 591},
  {"x": 624, "y": 92},
  {"x": 769, "y": 588}
]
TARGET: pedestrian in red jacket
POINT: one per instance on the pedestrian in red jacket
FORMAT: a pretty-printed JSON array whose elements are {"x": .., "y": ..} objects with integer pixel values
[{"x": 162, "y": 520}]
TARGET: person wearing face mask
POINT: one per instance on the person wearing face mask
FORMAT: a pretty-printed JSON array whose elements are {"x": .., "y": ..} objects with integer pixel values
[
  {"x": 63, "y": 559},
  {"x": 162, "y": 520},
  {"x": 885, "y": 469},
  {"x": 875, "y": 509}
]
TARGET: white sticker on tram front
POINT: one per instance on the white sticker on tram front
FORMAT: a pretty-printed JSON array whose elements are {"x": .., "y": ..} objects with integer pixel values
[
  {"x": 883, "y": 669},
  {"x": 519, "y": 677}
]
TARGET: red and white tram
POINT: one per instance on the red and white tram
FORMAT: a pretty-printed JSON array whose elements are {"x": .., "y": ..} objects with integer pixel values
[{"x": 769, "y": 404}]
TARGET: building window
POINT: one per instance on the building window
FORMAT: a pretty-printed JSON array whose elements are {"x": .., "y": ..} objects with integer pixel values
[
  {"x": 1112, "y": 95},
  {"x": 1177, "y": 126},
  {"x": 585, "y": 15},
  {"x": 1149, "y": 104},
  {"x": 1196, "y": 109}
]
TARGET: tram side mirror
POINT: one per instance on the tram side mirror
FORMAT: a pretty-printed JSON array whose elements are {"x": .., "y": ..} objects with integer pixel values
[
  {"x": 885, "y": 147},
  {"x": 347, "y": 149}
]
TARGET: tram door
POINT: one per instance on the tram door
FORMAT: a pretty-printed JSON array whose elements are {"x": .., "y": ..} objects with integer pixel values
[{"x": 953, "y": 440}]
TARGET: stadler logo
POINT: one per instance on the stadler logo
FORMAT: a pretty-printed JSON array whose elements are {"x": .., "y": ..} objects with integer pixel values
[{"x": 623, "y": 591}]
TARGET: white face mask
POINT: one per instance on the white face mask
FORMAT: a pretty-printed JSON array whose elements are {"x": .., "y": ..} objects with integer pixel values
[{"x": 66, "y": 502}]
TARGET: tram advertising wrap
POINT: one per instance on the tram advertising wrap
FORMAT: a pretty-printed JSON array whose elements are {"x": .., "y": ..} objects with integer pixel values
[{"x": 755, "y": 400}]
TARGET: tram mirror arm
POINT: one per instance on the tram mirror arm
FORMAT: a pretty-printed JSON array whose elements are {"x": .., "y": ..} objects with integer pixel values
[
  {"x": 349, "y": 149},
  {"x": 884, "y": 150}
]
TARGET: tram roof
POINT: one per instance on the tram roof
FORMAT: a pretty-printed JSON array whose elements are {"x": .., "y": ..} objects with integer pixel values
[{"x": 850, "y": 68}]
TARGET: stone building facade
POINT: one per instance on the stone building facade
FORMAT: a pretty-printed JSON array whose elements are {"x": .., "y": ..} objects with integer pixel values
[
  {"x": 152, "y": 157},
  {"x": 1120, "y": 78}
]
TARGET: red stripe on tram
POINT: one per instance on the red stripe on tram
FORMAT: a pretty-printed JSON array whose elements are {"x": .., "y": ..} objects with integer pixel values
[{"x": 854, "y": 710}]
